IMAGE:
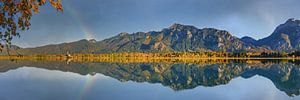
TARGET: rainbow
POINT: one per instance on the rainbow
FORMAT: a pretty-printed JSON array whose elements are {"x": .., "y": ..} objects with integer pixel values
[
  {"x": 87, "y": 32},
  {"x": 88, "y": 84}
]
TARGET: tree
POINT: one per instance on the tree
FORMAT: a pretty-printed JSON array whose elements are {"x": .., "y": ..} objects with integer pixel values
[{"x": 15, "y": 16}]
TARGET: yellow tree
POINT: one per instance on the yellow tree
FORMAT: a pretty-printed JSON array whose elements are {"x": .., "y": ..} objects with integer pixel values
[{"x": 15, "y": 16}]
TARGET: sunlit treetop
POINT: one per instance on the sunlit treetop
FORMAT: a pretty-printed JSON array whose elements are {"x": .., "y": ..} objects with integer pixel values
[{"x": 15, "y": 16}]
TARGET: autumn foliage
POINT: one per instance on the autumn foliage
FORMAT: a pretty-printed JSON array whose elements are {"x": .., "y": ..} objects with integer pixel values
[{"x": 15, "y": 16}]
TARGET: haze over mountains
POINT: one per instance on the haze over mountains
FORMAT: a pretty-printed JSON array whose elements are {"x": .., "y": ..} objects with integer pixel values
[{"x": 179, "y": 38}]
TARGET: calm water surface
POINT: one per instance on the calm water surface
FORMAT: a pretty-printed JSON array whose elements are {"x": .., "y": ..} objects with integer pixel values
[{"x": 41, "y": 80}]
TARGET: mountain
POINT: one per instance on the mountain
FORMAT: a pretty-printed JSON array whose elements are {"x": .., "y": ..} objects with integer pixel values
[
  {"x": 180, "y": 38},
  {"x": 81, "y": 46},
  {"x": 286, "y": 37},
  {"x": 11, "y": 49},
  {"x": 177, "y": 38},
  {"x": 249, "y": 40}
]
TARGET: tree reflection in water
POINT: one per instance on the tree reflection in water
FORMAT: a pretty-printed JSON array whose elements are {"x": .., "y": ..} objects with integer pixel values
[{"x": 179, "y": 75}]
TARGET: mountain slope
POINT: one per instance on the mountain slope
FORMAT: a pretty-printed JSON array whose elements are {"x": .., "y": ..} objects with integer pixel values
[
  {"x": 81, "y": 46},
  {"x": 249, "y": 40},
  {"x": 176, "y": 38},
  {"x": 10, "y": 50},
  {"x": 286, "y": 37}
]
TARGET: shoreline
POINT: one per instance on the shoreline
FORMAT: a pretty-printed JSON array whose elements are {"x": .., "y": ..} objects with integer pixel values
[
  {"x": 143, "y": 59},
  {"x": 135, "y": 57}
]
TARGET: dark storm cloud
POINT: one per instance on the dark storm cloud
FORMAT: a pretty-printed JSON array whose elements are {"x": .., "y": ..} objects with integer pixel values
[{"x": 105, "y": 18}]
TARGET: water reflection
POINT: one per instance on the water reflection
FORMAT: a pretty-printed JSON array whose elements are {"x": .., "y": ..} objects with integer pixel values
[{"x": 285, "y": 75}]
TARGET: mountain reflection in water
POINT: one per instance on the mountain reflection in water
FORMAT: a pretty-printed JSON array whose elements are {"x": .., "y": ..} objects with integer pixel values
[{"x": 285, "y": 75}]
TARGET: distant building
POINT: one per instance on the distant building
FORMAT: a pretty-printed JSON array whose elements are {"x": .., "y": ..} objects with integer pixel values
[{"x": 68, "y": 55}]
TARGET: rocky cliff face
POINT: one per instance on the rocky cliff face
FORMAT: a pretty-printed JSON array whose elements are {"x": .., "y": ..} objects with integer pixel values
[
  {"x": 286, "y": 37},
  {"x": 176, "y": 38}
]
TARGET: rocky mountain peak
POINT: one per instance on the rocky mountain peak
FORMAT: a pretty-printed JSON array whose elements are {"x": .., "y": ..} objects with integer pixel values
[
  {"x": 291, "y": 24},
  {"x": 181, "y": 27},
  {"x": 92, "y": 41},
  {"x": 175, "y": 25},
  {"x": 293, "y": 21},
  {"x": 286, "y": 36},
  {"x": 123, "y": 34}
]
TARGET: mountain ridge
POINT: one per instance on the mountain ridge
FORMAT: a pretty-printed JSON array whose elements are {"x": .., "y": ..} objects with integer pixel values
[
  {"x": 180, "y": 38},
  {"x": 286, "y": 37}
]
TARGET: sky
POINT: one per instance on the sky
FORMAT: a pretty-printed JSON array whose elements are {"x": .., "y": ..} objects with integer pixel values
[{"x": 101, "y": 19}]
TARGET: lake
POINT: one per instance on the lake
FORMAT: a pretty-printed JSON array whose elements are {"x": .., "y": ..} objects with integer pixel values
[{"x": 230, "y": 80}]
